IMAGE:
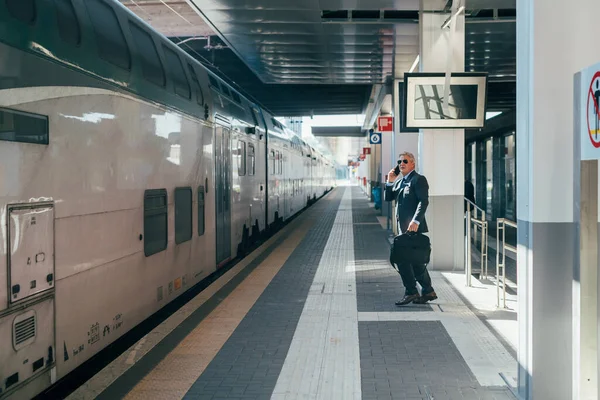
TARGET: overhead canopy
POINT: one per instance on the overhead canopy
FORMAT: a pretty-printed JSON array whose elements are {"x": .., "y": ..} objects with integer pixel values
[{"x": 319, "y": 57}]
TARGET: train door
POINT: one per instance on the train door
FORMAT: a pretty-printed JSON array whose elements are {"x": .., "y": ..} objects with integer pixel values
[
  {"x": 27, "y": 329},
  {"x": 285, "y": 182},
  {"x": 223, "y": 193}
]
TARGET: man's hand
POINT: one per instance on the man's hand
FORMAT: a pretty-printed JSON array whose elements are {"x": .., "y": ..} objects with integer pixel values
[
  {"x": 413, "y": 227},
  {"x": 391, "y": 176}
]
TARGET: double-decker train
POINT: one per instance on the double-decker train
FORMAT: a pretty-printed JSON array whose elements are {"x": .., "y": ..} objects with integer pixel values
[{"x": 129, "y": 172}]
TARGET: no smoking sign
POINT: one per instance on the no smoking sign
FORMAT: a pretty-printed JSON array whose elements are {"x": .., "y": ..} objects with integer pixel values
[
  {"x": 588, "y": 109},
  {"x": 593, "y": 110}
]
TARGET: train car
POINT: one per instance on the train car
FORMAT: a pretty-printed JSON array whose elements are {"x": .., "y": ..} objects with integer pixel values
[
  {"x": 129, "y": 174},
  {"x": 240, "y": 178},
  {"x": 298, "y": 200}
]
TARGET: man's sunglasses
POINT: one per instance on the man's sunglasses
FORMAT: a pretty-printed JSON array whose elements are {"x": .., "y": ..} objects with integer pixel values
[{"x": 405, "y": 161}]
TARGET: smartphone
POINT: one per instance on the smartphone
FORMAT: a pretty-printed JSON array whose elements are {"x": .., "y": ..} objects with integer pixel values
[{"x": 397, "y": 169}]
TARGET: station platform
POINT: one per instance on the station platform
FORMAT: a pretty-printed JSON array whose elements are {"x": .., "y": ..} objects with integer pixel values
[{"x": 311, "y": 315}]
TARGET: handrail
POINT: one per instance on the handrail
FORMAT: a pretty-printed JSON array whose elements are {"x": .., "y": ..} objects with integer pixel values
[
  {"x": 478, "y": 221},
  {"x": 468, "y": 248},
  {"x": 483, "y": 225},
  {"x": 507, "y": 222},
  {"x": 501, "y": 224},
  {"x": 475, "y": 205},
  {"x": 478, "y": 210}
]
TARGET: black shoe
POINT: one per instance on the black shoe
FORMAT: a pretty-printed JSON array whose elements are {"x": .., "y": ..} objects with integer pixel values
[
  {"x": 425, "y": 298},
  {"x": 408, "y": 298}
]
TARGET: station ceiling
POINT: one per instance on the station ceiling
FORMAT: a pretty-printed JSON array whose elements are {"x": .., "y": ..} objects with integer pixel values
[{"x": 305, "y": 57}]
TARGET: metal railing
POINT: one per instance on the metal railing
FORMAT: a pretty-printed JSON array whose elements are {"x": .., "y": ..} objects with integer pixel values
[
  {"x": 478, "y": 214},
  {"x": 501, "y": 225},
  {"x": 473, "y": 226},
  {"x": 483, "y": 226}
]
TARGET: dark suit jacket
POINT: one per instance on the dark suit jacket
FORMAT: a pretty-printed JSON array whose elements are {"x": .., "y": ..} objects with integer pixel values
[
  {"x": 412, "y": 200},
  {"x": 469, "y": 194}
]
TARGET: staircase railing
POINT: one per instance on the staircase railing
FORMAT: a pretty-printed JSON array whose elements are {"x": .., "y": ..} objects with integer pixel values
[
  {"x": 473, "y": 227},
  {"x": 502, "y": 247}
]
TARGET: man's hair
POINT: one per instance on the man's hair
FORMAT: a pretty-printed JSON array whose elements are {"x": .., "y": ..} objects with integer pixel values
[{"x": 408, "y": 155}]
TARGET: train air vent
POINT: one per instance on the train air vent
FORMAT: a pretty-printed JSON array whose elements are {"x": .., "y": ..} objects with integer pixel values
[{"x": 24, "y": 330}]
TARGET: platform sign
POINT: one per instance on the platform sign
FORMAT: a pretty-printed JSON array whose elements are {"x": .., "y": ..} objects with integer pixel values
[
  {"x": 589, "y": 110},
  {"x": 375, "y": 138},
  {"x": 385, "y": 124}
]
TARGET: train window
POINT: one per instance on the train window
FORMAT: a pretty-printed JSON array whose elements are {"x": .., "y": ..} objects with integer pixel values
[
  {"x": 152, "y": 68},
  {"x": 200, "y": 210},
  {"x": 18, "y": 126},
  {"x": 213, "y": 81},
  {"x": 175, "y": 68},
  {"x": 279, "y": 161},
  {"x": 183, "y": 214},
  {"x": 68, "y": 27},
  {"x": 241, "y": 154},
  {"x": 251, "y": 160},
  {"x": 109, "y": 36},
  {"x": 272, "y": 163},
  {"x": 236, "y": 97},
  {"x": 23, "y": 10},
  {"x": 155, "y": 221},
  {"x": 281, "y": 164},
  {"x": 225, "y": 90},
  {"x": 196, "y": 84}
]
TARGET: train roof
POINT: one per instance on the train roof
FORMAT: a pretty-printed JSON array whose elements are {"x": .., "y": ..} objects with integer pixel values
[{"x": 105, "y": 40}]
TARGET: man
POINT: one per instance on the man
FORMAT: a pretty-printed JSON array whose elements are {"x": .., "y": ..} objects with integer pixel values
[
  {"x": 469, "y": 193},
  {"x": 412, "y": 198}
]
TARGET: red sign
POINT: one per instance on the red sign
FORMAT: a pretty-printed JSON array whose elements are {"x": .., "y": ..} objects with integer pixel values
[
  {"x": 593, "y": 125},
  {"x": 385, "y": 124},
  {"x": 366, "y": 150}
]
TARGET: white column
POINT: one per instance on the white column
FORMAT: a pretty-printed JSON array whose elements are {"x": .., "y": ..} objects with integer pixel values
[
  {"x": 554, "y": 41},
  {"x": 403, "y": 141},
  {"x": 441, "y": 152}
]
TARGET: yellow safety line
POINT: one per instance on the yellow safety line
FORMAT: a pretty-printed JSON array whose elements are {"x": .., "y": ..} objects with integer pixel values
[{"x": 174, "y": 376}]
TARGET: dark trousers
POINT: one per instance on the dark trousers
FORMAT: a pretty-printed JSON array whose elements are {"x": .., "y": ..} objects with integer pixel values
[{"x": 411, "y": 274}]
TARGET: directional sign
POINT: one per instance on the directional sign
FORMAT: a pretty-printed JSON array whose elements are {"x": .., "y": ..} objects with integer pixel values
[
  {"x": 589, "y": 105},
  {"x": 375, "y": 138}
]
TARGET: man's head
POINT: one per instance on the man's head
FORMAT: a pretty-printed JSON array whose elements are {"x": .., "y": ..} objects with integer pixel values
[{"x": 407, "y": 163}]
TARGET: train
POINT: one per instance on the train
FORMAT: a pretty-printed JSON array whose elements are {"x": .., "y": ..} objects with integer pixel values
[{"x": 129, "y": 173}]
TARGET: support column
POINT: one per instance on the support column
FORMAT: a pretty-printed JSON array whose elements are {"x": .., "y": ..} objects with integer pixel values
[
  {"x": 441, "y": 152},
  {"x": 553, "y": 44},
  {"x": 402, "y": 141}
]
